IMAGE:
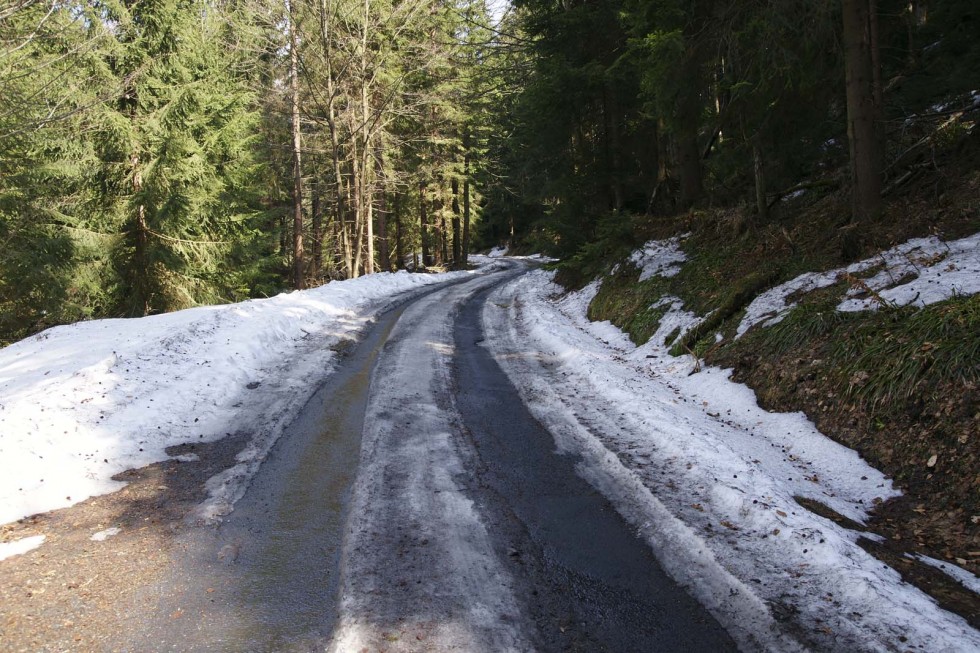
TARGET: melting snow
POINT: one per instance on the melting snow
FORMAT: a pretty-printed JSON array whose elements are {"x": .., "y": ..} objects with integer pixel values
[
  {"x": 919, "y": 272},
  {"x": 709, "y": 479},
  {"x": 960, "y": 575},
  {"x": 83, "y": 402},
  {"x": 17, "y": 547},
  {"x": 102, "y": 536},
  {"x": 661, "y": 258}
]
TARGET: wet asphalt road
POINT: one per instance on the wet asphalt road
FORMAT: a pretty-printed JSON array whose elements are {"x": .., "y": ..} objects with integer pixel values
[
  {"x": 590, "y": 583},
  {"x": 270, "y": 578}
]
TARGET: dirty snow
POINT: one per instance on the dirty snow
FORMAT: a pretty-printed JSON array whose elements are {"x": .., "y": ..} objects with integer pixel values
[
  {"x": 102, "y": 536},
  {"x": 919, "y": 272},
  {"x": 661, "y": 258},
  {"x": 81, "y": 403},
  {"x": 709, "y": 479},
  {"x": 21, "y": 546},
  {"x": 960, "y": 575},
  {"x": 412, "y": 518}
]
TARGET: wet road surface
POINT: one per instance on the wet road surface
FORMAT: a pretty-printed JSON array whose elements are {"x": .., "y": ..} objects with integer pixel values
[
  {"x": 416, "y": 505},
  {"x": 594, "y": 585}
]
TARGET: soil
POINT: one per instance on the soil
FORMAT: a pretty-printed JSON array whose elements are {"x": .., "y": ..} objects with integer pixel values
[{"x": 73, "y": 593}]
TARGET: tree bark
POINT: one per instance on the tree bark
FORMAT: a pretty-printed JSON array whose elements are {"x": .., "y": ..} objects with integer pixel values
[
  {"x": 424, "y": 227},
  {"x": 457, "y": 244},
  {"x": 443, "y": 233},
  {"x": 298, "y": 276},
  {"x": 613, "y": 159},
  {"x": 688, "y": 152},
  {"x": 861, "y": 111},
  {"x": 399, "y": 237},
  {"x": 466, "y": 199},
  {"x": 317, "y": 210},
  {"x": 759, "y": 167}
]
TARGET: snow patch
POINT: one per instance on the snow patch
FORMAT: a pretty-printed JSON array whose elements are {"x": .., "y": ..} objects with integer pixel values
[
  {"x": 960, "y": 575},
  {"x": 919, "y": 272},
  {"x": 21, "y": 546},
  {"x": 660, "y": 258},
  {"x": 102, "y": 536}
]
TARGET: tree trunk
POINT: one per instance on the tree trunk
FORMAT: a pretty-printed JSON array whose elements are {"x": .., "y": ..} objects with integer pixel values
[
  {"x": 399, "y": 237},
  {"x": 141, "y": 254},
  {"x": 367, "y": 182},
  {"x": 317, "y": 210},
  {"x": 424, "y": 228},
  {"x": 457, "y": 244},
  {"x": 466, "y": 199},
  {"x": 384, "y": 254},
  {"x": 613, "y": 160},
  {"x": 689, "y": 156},
  {"x": 298, "y": 277},
  {"x": 861, "y": 111},
  {"x": 759, "y": 167},
  {"x": 688, "y": 152},
  {"x": 443, "y": 233}
]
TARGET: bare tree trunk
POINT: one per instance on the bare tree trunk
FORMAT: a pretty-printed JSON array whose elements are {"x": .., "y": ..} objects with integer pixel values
[
  {"x": 443, "y": 233},
  {"x": 759, "y": 167},
  {"x": 345, "y": 225},
  {"x": 399, "y": 237},
  {"x": 614, "y": 163},
  {"x": 384, "y": 252},
  {"x": 688, "y": 152},
  {"x": 466, "y": 199},
  {"x": 298, "y": 277},
  {"x": 861, "y": 112},
  {"x": 317, "y": 210},
  {"x": 457, "y": 244},
  {"x": 357, "y": 186},
  {"x": 424, "y": 228},
  {"x": 141, "y": 254},
  {"x": 341, "y": 221}
]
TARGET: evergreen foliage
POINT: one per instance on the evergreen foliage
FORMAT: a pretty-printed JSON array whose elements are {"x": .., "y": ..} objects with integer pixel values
[{"x": 147, "y": 162}]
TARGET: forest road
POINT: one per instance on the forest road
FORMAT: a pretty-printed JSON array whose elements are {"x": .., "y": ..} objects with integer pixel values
[
  {"x": 416, "y": 505},
  {"x": 469, "y": 532}
]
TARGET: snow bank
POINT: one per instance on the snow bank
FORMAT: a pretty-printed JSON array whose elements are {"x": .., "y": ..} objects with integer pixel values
[
  {"x": 709, "y": 479},
  {"x": 83, "y": 402},
  {"x": 919, "y": 272}
]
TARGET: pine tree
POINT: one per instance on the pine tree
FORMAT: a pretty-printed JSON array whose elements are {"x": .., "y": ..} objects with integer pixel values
[{"x": 176, "y": 147}]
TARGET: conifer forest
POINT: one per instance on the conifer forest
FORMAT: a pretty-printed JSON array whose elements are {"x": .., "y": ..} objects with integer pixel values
[{"x": 161, "y": 154}]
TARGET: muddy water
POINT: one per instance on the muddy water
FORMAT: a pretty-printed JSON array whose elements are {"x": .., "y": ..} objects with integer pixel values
[{"x": 267, "y": 578}]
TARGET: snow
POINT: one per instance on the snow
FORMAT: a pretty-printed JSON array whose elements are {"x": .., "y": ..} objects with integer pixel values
[
  {"x": 102, "y": 536},
  {"x": 918, "y": 272},
  {"x": 21, "y": 546},
  {"x": 83, "y": 402},
  {"x": 960, "y": 575},
  {"x": 709, "y": 479},
  {"x": 497, "y": 252},
  {"x": 659, "y": 258}
]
